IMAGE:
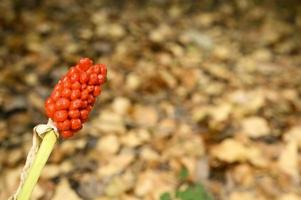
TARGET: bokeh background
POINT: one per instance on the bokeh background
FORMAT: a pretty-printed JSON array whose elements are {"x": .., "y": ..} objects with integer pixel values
[{"x": 205, "y": 90}]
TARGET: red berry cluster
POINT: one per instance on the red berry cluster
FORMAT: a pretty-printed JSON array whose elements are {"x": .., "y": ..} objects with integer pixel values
[{"x": 74, "y": 95}]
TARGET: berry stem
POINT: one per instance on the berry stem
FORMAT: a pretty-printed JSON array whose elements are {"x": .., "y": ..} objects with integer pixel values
[{"x": 35, "y": 170}]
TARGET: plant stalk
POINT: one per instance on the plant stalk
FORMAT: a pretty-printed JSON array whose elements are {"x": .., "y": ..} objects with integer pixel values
[{"x": 38, "y": 164}]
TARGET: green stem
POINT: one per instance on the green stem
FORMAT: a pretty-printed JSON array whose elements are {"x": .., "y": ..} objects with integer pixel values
[{"x": 35, "y": 170}]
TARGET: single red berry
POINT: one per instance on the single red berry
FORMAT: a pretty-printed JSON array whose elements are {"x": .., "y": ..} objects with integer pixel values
[
  {"x": 66, "y": 79},
  {"x": 60, "y": 115},
  {"x": 72, "y": 70},
  {"x": 84, "y": 86},
  {"x": 84, "y": 114},
  {"x": 101, "y": 78},
  {"x": 77, "y": 67},
  {"x": 50, "y": 109},
  {"x": 62, "y": 103},
  {"x": 84, "y": 77},
  {"x": 74, "y": 77},
  {"x": 85, "y": 63},
  {"x": 49, "y": 101},
  {"x": 93, "y": 79},
  {"x": 84, "y": 94},
  {"x": 91, "y": 99},
  {"x": 103, "y": 70},
  {"x": 84, "y": 104},
  {"x": 67, "y": 134},
  {"x": 90, "y": 88},
  {"x": 75, "y": 94},
  {"x": 74, "y": 114},
  {"x": 89, "y": 108},
  {"x": 76, "y": 86},
  {"x": 56, "y": 94},
  {"x": 58, "y": 86},
  {"x": 64, "y": 126},
  {"x": 96, "y": 91},
  {"x": 96, "y": 69},
  {"x": 76, "y": 124},
  {"x": 75, "y": 104},
  {"x": 89, "y": 71},
  {"x": 66, "y": 93},
  {"x": 67, "y": 85}
]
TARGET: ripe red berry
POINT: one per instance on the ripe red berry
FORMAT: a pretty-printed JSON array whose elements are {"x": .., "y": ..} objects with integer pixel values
[
  {"x": 74, "y": 114},
  {"x": 76, "y": 124},
  {"x": 85, "y": 94},
  {"x": 67, "y": 85},
  {"x": 60, "y": 115},
  {"x": 96, "y": 69},
  {"x": 74, "y": 77},
  {"x": 64, "y": 126},
  {"x": 85, "y": 63},
  {"x": 93, "y": 79},
  {"x": 50, "y": 109},
  {"x": 84, "y": 86},
  {"x": 74, "y": 95},
  {"x": 66, "y": 93},
  {"x": 75, "y": 104},
  {"x": 67, "y": 134},
  {"x": 84, "y": 104},
  {"x": 56, "y": 94},
  {"x": 103, "y": 70},
  {"x": 62, "y": 103},
  {"x": 49, "y": 101},
  {"x": 58, "y": 87},
  {"x": 76, "y": 86},
  {"x": 96, "y": 91},
  {"x": 101, "y": 78},
  {"x": 84, "y": 77},
  {"x": 89, "y": 108},
  {"x": 90, "y": 88},
  {"x": 72, "y": 70},
  {"x": 91, "y": 99},
  {"x": 66, "y": 79},
  {"x": 84, "y": 114}
]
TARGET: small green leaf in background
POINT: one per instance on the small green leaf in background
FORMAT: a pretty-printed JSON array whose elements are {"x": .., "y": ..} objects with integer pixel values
[
  {"x": 196, "y": 192},
  {"x": 165, "y": 196},
  {"x": 192, "y": 192},
  {"x": 183, "y": 173}
]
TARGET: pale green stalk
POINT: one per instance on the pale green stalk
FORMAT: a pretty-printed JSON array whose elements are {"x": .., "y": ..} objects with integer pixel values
[{"x": 35, "y": 170}]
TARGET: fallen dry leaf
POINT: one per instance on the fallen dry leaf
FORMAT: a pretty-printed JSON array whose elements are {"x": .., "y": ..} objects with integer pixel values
[
  {"x": 152, "y": 184},
  {"x": 289, "y": 196},
  {"x": 108, "y": 144},
  {"x": 288, "y": 159},
  {"x": 64, "y": 191},
  {"x": 145, "y": 115},
  {"x": 231, "y": 150},
  {"x": 255, "y": 127},
  {"x": 115, "y": 165},
  {"x": 293, "y": 134},
  {"x": 249, "y": 195}
]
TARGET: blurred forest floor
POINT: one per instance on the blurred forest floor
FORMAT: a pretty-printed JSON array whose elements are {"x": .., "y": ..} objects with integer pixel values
[{"x": 212, "y": 87}]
